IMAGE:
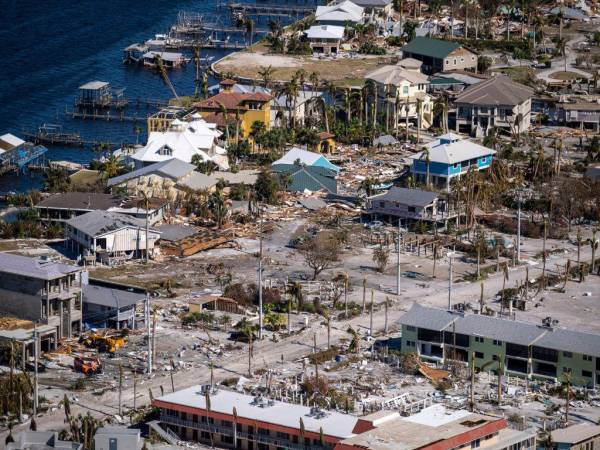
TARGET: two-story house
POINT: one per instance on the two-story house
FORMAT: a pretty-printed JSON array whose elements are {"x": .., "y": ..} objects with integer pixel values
[
  {"x": 325, "y": 39},
  {"x": 495, "y": 103},
  {"x": 440, "y": 56},
  {"x": 447, "y": 157},
  {"x": 340, "y": 13},
  {"x": 580, "y": 114},
  {"x": 402, "y": 90},
  {"x": 409, "y": 205},
  {"x": 43, "y": 291}
]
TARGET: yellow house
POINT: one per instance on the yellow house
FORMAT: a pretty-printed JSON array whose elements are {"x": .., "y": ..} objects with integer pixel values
[
  {"x": 326, "y": 142},
  {"x": 225, "y": 108}
]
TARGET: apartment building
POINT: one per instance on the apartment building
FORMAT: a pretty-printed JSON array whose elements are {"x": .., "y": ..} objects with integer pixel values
[
  {"x": 542, "y": 352},
  {"x": 43, "y": 291}
]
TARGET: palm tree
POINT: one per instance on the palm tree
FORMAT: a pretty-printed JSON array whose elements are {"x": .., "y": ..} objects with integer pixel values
[
  {"x": 112, "y": 167},
  {"x": 295, "y": 290},
  {"x": 419, "y": 110},
  {"x": 249, "y": 23},
  {"x": 224, "y": 111},
  {"x": 314, "y": 81},
  {"x": 425, "y": 157},
  {"x": 440, "y": 107},
  {"x": 146, "y": 202},
  {"x": 266, "y": 73},
  {"x": 594, "y": 246},
  {"x": 347, "y": 104}
]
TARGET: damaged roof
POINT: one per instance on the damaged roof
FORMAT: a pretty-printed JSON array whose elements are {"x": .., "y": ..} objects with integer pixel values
[
  {"x": 97, "y": 223},
  {"x": 39, "y": 268}
]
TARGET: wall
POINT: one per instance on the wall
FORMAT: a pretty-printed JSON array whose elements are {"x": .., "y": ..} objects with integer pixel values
[{"x": 460, "y": 59}]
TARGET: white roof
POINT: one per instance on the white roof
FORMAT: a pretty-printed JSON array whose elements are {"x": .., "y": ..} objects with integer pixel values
[
  {"x": 279, "y": 413},
  {"x": 165, "y": 56},
  {"x": 185, "y": 139},
  {"x": 325, "y": 32},
  {"x": 345, "y": 11},
  {"x": 437, "y": 416},
  {"x": 396, "y": 74},
  {"x": 451, "y": 149},
  {"x": 11, "y": 140},
  {"x": 93, "y": 85},
  {"x": 307, "y": 158}
]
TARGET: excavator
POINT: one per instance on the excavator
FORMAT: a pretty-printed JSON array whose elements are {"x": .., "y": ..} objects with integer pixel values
[
  {"x": 104, "y": 343},
  {"x": 88, "y": 365}
]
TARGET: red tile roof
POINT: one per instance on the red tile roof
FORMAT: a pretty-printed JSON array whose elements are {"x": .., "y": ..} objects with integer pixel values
[{"x": 232, "y": 100}]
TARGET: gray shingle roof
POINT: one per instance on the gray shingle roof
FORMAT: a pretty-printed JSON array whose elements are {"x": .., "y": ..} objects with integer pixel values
[
  {"x": 172, "y": 168},
  {"x": 571, "y": 341},
  {"x": 174, "y": 232},
  {"x": 429, "y": 318},
  {"x": 97, "y": 223},
  {"x": 405, "y": 196},
  {"x": 501, "y": 329},
  {"x": 80, "y": 201},
  {"x": 105, "y": 296},
  {"x": 38, "y": 268},
  {"x": 499, "y": 90}
]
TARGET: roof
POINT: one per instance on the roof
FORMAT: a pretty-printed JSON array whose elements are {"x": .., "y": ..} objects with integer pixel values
[
  {"x": 372, "y": 3},
  {"x": 246, "y": 176},
  {"x": 176, "y": 232},
  {"x": 405, "y": 196},
  {"x": 306, "y": 158},
  {"x": 311, "y": 178},
  {"x": 580, "y": 106},
  {"x": 398, "y": 73},
  {"x": 232, "y": 100},
  {"x": 80, "y": 200},
  {"x": 39, "y": 268},
  {"x": 575, "y": 433},
  {"x": 120, "y": 431},
  {"x": 384, "y": 140},
  {"x": 571, "y": 341},
  {"x": 197, "y": 181},
  {"x": 334, "y": 424},
  {"x": 499, "y": 90},
  {"x": 165, "y": 56},
  {"x": 428, "y": 318},
  {"x": 105, "y": 296},
  {"x": 430, "y": 426},
  {"x": 172, "y": 168},
  {"x": 452, "y": 149},
  {"x": 325, "y": 32},
  {"x": 345, "y": 11},
  {"x": 94, "y": 85},
  {"x": 98, "y": 223},
  {"x": 435, "y": 48},
  {"x": 41, "y": 440},
  {"x": 9, "y": 141},
  {"x": 520, "y": 333}
]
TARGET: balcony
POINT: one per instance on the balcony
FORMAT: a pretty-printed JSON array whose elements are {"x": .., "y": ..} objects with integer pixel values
[{"x": 226, "y": 431}]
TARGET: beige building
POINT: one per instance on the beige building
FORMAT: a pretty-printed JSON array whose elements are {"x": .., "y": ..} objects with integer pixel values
[
  {"x": 440, "y": 56},
  {"x": 402, "y": 94},
  {"x": 495, "y": 103},
  {"x": 577, "y": 437}
]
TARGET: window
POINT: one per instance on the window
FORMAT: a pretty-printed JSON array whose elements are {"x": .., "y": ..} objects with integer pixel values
[
  {"x": 495, "y": 357},
  {"x": 567, "y": 354},
  {"x": 566, "y": 370},
  {"x": 479, "y": 355},
  {"x": 411, "y": 209},
  {"x": 226, "y": 439},
  {"x": 478, "y": 339},
  {"x": 282, "y": 435},
  {"x": 205, "y": 435},
  {"x": 586, "y": 373},
  {"x": 476, "y": 443},
  {"x": 411, "y": 344},
  {"x": 165, "y": 151},
  {"x": 226, "y": 423},
  {"x": 587, "y": 358},
  {"x": 410, "y": 328},
  {"x": 405, "y": 90},
  {"x": 454, "y": 61},
  {"x": 263, "y": 431},
  {"x": 498, "y": 343}
]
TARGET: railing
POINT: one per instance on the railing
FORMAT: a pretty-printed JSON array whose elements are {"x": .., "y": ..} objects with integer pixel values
[{"x": 227, "y": 431}]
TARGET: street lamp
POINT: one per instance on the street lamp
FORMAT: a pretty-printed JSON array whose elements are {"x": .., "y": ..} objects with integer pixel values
[{"x": 450, "y": 255}]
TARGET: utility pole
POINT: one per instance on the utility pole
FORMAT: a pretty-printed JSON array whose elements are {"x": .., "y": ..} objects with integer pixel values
[
  {"x": 134, "y": 390},
  {"x": 35, "y": 369},
  {"x": 519, "y": 199},
  {"x": 260, "y": 269},
  {"x": 450, "y": 282},
  {"x": 147, "y": 307},
  {"x": 385, "y": 326},
  {"x": 371, "y": 315},
  {"x": 120, "y": 386},
  {"x": 398, "y": 271}
]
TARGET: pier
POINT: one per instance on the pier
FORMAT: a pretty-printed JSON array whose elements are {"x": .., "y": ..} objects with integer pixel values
[
  {"x": 108, "y": 116},
  {"x": 19, "y": 158}
]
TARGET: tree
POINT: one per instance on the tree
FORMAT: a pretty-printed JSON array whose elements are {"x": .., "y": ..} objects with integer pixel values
[
  {"x": 266, "y": 188},
  {"x": 425, "y": 157},
  {"x": 410, "y": 30},
  {"x": 320, "y": 252},
  {"x": 275, "y": 321},
  {"x": 381, "y": 257},
  {"x": 483, "y": 63},
  {"x": 294, "y": 290},
  {"x": 266, "y": 73}
]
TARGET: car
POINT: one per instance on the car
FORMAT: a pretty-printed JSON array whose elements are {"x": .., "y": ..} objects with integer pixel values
[{"x": 374, "y": 225}]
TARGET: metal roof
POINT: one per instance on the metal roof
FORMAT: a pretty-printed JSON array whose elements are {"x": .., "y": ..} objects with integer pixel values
[
  {"x": 80, "y": 201},
  {"x": 105, "y": 296},
  {"x": 435, "y": 48},
  {"x": 39, "y": 268},
  {"x": 505, "y": 330},
  {"x": 172, "y": 168},
  {"x": 570, "y": 341},
  {"x": 405, "y": 196},
  {"x": 278, "y": 413},
  {"x": 312, "y": 178},
  {"x": 428, "y": 318},
  {"x": 575, "y": 433},
  {"x": 452, "y": 149},
  {"x": 325, "y": 32},
  {"x": 174, "y": 232},
  {"x": 97, "y": 223},
  {"x": 499, "y": 90},
  {"x": 94, "y": 85}
]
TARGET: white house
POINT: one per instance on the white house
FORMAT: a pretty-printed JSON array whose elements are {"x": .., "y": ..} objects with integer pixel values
[
  {"x": 109, "y": 236},
  {"x": 325, "y": 38},
  {"x": 183, "y": 140},
  {"x": 402, "y": 92},
  {"x": 339, "y": 14}
]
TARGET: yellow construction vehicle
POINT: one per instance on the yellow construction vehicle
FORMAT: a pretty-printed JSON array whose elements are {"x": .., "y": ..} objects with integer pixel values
[{"x": 104, "y": 343}]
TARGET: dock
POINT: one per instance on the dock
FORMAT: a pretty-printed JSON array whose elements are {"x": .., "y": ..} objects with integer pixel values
[
  {"x": 20, "y": 158},
  {"x": 108, "y": 116}
]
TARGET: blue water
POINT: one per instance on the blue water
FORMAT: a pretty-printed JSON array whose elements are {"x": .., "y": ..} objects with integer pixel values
[{"x": 48, "y": 48}]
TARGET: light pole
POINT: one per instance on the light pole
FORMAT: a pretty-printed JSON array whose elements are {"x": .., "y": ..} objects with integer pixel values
[
  {"x": 35, "y": 369},
  {"x": 450, "y": 255},
  {"x": 519, "y": 199},
  {"x": 147, "y": 304},
  {"x": 398, "y": 271},
  {"x": 260, "y": 269}
]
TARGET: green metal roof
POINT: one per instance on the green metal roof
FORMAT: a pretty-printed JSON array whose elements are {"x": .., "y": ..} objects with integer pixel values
[
  {"x": 443, "y": 80},
  {"x": 434, "y": 48}
]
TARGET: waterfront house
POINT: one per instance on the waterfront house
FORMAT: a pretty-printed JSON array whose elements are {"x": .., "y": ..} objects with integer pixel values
[
  {"x": 161, "y": 120},
  {"x": 306, "y": 105},
  {"x": 440, "y": 56},
  {"x": 166, "y": 180},
  {"x": 183, "y": 140},
  {"x": 109, "y": 237},
  {"x": 42, "y": 290},
  {"x": 409, "y": 205},
  {"x": 376, "y": 7},
  {"x": 402, "y": 89},
  {"x": 541, "y": 352},
  {"x": 58, "y": 208},
  {"x": 497, "y": 102},
  {"x": 448, "y": 157},
  {"x": 170, "y": 60},
  {"x": 227, "y": 106},
  {"x": 580, "y": 114},
  {"x": 9, "y": 141},
  {"x": 339, "y": 14},
  {"x": 325, "y": 39}
]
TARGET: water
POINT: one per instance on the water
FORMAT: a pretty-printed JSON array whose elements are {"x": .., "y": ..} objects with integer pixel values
[{"x": 49, "y": 48}]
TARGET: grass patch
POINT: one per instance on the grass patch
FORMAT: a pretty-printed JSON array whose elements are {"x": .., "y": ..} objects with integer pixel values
[{"x": 562, "y": 75}]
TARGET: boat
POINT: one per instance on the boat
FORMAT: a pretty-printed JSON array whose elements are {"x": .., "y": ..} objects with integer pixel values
[{"x": 170, "y": 60}]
